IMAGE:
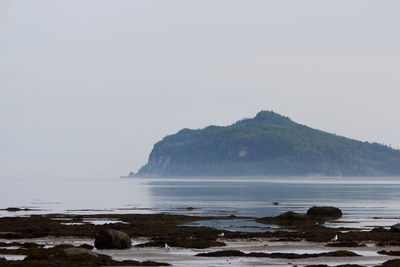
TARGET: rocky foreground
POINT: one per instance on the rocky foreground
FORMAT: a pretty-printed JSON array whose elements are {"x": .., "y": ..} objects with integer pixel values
[{"x": 161, "y": 240}]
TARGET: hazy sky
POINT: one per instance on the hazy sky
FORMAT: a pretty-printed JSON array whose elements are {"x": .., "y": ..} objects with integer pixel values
[{"x": 87, "y": 87}]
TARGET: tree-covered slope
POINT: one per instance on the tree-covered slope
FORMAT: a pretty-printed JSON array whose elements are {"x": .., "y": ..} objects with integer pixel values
[{"x": 268, "y": 144}]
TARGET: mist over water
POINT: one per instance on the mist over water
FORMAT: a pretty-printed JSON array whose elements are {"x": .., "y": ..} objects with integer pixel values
[
  {"x": 72, "y": 195},
  {"x": 361, "y": 199}
]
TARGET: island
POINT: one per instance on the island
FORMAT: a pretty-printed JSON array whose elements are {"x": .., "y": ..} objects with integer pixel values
[{"x": 267, "y": 145}]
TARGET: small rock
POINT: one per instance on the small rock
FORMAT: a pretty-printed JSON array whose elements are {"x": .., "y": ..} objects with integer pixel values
[
  {"x": 112, "y": 239},
  {"x": 12, "y": 209},
  {"x": 395, "y": 228},
  {"x": 79, "y": 251},
  {"x": 87, "y": 246}
]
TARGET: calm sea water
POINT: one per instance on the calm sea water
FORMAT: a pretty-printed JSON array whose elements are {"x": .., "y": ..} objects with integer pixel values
[{"x": 361, "y": 199}]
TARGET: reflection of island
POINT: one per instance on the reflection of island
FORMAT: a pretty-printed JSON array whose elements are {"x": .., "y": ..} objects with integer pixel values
[{"x": 130, "y": 175}]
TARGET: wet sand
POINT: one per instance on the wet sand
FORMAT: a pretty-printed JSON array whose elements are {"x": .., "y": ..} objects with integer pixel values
[{"x": 186, "y": 256}]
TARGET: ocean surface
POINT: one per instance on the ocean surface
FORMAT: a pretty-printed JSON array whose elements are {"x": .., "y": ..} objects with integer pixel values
[{"x": 366, "y": 202}]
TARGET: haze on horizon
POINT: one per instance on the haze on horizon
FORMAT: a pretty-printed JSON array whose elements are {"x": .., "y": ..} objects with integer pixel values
[{"x": 87, "y": 87}]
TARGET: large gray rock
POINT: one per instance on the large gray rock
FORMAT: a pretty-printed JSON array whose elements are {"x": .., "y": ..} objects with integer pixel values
[
  {"x": 324, "y": 212},
  {"x": 112, "y": 239}
]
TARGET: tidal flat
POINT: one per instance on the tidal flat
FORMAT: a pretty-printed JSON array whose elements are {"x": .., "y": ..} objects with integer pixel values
[
  {"x": 263, "y": 221},
  {"x": 170, "y": 239}
]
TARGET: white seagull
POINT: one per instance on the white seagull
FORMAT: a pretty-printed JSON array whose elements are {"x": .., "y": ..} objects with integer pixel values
[
  {"x": 221, "y": 235},
  {"x": 335, "y": 238},
  {"x": 167, "y": 247}
]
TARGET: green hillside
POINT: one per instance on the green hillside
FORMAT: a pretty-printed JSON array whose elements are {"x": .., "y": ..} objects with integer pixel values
[{"x": 268, "y": 144}]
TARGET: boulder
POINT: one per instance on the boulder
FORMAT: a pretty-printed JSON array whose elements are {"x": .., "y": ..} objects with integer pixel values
[
  {"x": 395, "y": 228},
  {"x": 112, "y": 239},
  {"x": 324, "y": 213}
]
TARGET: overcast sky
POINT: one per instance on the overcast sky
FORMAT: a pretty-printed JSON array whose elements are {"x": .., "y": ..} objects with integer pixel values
[{"x": 87, "y": 87}]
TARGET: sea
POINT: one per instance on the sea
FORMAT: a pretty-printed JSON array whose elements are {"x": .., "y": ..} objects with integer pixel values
[{"x": 366, "y": 202}]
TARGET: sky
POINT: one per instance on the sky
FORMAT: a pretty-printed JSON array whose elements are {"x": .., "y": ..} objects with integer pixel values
[{"x": 88, "y": 87}]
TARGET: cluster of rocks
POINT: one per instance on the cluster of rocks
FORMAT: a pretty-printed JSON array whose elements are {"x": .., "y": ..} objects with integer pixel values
[
  {"x": 314, "y": 215},
  {"x": 164, "y": 229},
  {"x": 66, "y": 255}
]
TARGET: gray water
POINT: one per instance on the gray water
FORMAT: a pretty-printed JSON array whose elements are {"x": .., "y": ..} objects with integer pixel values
[
  {"x": 241, "y": 225},
  {"x": 361, "y": 199}
]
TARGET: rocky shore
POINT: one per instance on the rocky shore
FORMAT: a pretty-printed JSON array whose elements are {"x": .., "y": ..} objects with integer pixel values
[{"x": 165, "y": 239}]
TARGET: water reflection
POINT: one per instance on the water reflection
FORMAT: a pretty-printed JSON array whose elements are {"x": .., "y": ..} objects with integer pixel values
[
  {"x": 74, "y": 196},
  {"x": 359, "y": 198}
]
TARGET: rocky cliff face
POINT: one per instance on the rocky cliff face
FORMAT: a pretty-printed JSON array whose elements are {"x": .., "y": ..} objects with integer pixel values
[
  {"x": 156, "y": 165},
  {"x": 268, "y": 144}
]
